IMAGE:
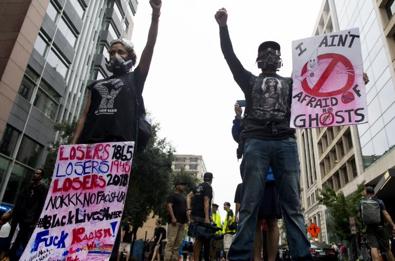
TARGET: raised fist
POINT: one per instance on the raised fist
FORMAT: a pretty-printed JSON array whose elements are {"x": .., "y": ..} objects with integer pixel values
[
  {"x": 156, "y": 5},
  {"x": 221, "y": 16}
]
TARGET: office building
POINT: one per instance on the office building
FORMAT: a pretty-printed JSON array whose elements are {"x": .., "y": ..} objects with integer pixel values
[
  {"x": 191, "y": 164},
  {"x": 344, "y": 157}
]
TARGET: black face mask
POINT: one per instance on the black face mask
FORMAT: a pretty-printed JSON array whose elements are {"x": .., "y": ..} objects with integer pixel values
[
  {"x": 269, "y": 59},
  {"x": 118, "y": 66}
]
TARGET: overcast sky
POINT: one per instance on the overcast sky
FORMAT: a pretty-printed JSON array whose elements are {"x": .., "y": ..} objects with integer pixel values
[{"x": 190, "y": 90}]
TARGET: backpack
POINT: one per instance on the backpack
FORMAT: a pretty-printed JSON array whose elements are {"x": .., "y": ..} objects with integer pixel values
[{"x": 370, "y": 211}]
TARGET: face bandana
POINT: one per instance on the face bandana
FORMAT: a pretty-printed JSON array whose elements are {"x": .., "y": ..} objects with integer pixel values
[
  {"x": 117, "y": 65},
  {"x": 269, "y": 59}
]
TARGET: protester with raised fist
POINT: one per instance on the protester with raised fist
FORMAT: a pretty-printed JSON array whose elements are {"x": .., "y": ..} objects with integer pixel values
[
  {"x": 266, "y": 140},
  {"x": 114, "y": 106}
]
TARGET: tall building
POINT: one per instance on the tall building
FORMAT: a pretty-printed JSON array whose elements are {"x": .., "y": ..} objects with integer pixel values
[
  {"x": 343, "y": 157},
  {"x": 192, "y": 164},
  {"x": 50, "y": 50}
]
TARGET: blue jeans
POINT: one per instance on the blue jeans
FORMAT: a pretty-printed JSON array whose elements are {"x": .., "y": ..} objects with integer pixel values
[{"x": 282, "y": 156}]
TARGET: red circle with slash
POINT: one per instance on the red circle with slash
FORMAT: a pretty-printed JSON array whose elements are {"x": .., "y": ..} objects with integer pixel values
[
  {"x": 335, "y": 59},
  {"x": 327, "y": 118}
]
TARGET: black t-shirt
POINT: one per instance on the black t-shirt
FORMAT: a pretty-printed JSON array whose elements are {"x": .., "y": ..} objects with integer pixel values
[
  {"x": 179, "y": 207},
  {"x": 112, "y": 113},
  {"x": 268, "y": 98},
  {"x": 202, "y": 190},
  {"x": 158, "y": 232},
  {"x": 238, "y": 193}
]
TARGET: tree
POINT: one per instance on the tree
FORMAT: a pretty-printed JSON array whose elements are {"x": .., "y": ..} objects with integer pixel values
[
  {"x": 340, "y": 209},
  {"x": 149, "y": 183},
  {"x": 65, "y": 132}
]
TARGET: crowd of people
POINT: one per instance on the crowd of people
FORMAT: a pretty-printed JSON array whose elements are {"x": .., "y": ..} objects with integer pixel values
[{"x": 269, "y": 168}]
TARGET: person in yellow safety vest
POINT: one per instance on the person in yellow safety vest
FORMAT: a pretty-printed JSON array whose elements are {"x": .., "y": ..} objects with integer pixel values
[
  {"x": 216, "y": 217},
  {"x": 216, "y": 243},
  {"x": 229, "y": 227}
]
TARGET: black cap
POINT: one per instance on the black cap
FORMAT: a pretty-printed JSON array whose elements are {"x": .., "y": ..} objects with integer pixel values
[
  {"x": 269, "y": 44},
  {"x": 369, "y": 189},
  {"x": 208, "y": 176}
]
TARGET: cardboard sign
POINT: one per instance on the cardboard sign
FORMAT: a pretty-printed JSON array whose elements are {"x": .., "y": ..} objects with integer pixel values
[
  {"x": 84, "y": 205},
  {"x": 328, "y": 86}
]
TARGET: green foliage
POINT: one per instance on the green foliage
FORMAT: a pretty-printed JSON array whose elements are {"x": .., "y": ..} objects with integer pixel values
[
  {"x": 65, "y": 132},
  {"x": 149, "y": 184},
  {"x": 340, "y": 209},
  {"x": 191, "y": 181}
]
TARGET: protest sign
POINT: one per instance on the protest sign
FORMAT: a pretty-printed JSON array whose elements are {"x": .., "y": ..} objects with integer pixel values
[
  {"x": 84, "y": 205},
  {"x": 328, "y": 86}
]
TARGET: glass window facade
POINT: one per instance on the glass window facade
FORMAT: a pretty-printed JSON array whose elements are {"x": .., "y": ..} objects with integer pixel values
[
  {"x": 118, "y": 12},
  {"x": 78, "y": 7},
  {"x": 375, "y": 135},
  {"x": 20, "y": 177},
  {"x": 390, "y": 8},
  {"x": 9, "y": 140},
  {"x": 113, "y": 33},
  {"x": 29, "y": 151},
  {"x": 52, "y": 12},
  {"x": 55, "y": 61},
  {"x": 47, "y": 100},
  {"x": 67, "y": 32},
  {"x": 41, "y": 45}
]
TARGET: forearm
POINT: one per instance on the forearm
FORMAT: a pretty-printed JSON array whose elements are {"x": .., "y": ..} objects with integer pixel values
[
  {"x": 237, "y": 208},
  {"x": 206, "y": 208},
  {"x": 228, "y": 52},
  {"x": 170, "y": 211},
  {"x": 388, "y": 218},
  {"x": 148, "y": 51}
]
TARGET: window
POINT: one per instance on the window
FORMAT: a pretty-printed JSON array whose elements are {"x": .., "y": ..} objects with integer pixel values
[
  {"x": 105, "y": 53},
  {"x": 112, "y": 32},
  {"x": 47, "y": 100},
  {"x": 27, "y": 87},
  {"x": 8, "y": 143},
  {"x": 28, "y": 83},
  {"x": 179, "y": 166},
  {"x": 3, "y": 167},
  {"x": 29, "y": 151},
  {"x": 20, "y": 178},
  {"x": 125, "y": 25},
  {"x": 60, "y": 66},
  {"x": 130, "y": 8},
  {"x": 52, "y": 12},
  {"x": 78, "y": 8},
  {"x": 41, "y": 45},
  {"x": 192, "y": 166},
  {"x": 118, "y": 12},
  {"x": 390, "y": 8},
  {"x": 67, "y": 32}
]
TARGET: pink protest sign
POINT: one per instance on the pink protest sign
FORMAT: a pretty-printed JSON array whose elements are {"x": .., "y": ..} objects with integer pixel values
[
  {"x": 328, "y": 87},
  {"x": 84, "y": 205}
]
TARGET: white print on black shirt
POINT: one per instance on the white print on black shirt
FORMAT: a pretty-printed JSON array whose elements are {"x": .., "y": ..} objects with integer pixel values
[
  {"x": 108, "y": 91},
  {"x": 269, "y": 99}
]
